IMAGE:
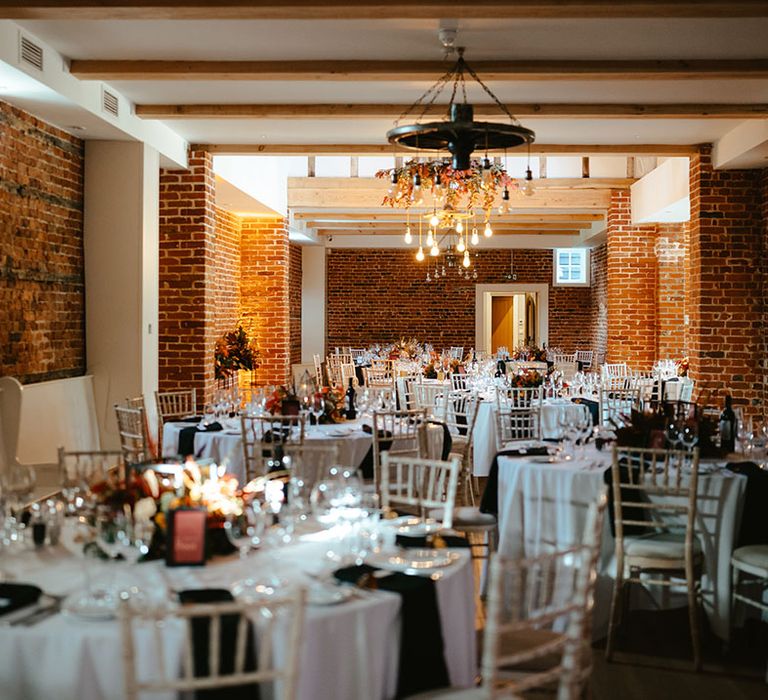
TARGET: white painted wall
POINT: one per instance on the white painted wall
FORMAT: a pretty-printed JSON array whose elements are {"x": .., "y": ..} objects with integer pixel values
[
  {"x": 663, "y": 194},
  {"x": 312, "y": 303},
  {"x": 121, "y": 275}
]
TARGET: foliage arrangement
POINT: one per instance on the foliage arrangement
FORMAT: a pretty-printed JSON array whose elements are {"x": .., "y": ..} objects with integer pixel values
[
  {"x": 529, "y": 353},
  {"x": 333, "y": 398},
  {"x": 234, "y": 351},
  {"x": 275, "y": 401},
  {"x": 683, "y": 366},
  {"x": 526, "y": 379}
]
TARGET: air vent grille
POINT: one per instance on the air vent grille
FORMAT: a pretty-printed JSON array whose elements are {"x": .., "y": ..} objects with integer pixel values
[
  {"x": 110, "y": 103},
  {"x": 30, "y": 54}
]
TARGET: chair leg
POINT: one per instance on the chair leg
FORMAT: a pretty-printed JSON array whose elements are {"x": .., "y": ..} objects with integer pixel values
[
  {"x": 617, "y": 602},
  {"x": 693, "y": 618}
]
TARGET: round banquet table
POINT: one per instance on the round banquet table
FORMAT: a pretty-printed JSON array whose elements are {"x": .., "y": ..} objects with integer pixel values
[
  {"x": 349, "y": 651},
  {"x": 485, "y": 443},
  {"x": 540, "y": 503}
]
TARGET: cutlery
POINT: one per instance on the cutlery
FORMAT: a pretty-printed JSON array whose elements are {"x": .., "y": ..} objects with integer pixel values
[{"x": 39, "y": 613}]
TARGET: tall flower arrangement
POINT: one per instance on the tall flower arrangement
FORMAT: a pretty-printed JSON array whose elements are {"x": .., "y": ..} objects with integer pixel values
[{"x": 234, "y": 351}]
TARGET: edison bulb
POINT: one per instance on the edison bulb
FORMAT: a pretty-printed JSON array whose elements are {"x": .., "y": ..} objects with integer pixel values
[
  {"x": 475, "y": 238},
  {"x": 430, "y": 239},
  {"x": 459, "y": 227},
  {"x": 503, "y": 208},
  {"x": 460, "y": 247},
  {"x": 488, "y": 232},
  {"x": 434, "y": 221},
  {"x": 528, "y": 188},
  {"x": 420, "y": 254},
  {"x": 408, "y": 236},
  {"x": 466, "y": 261},
  {"x": 434, "y": 251}
]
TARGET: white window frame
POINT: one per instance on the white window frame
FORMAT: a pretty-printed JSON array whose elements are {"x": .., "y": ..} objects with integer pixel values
[{"x": 585, "y": 264}]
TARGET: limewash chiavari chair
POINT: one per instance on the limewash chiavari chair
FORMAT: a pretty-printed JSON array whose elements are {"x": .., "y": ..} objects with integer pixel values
[
  {"x": 401, "y": 433},
  {"x": 277, "y": 623},
  {"x": 458, "y": 381},
  {"x": 460, "y": 417},
  {"x": 377, "y": 377},
  {"x": 318, "y": 369},
  {"x": 618, "y": 396},
  {"x": 563, "y": 358},
  {"x": 88, "y": 467},
  {"x": 618, "y": 369},
  {"x": 347, "y": 372},
  {"x": 431, "y": 397},
  {"x": 518, "y": 414},
  {"x": 134, "y": 439},
  {"x": 538, "y": 627},
  {"x": 406, "y": 390},
  {"x": 174, "y": 404},
  {"x": 456, "y": 352},
  {"x": 585, "y": 357},
  {"x": 263, "y": 434},
  {"x": 663, "y": 485},
  {"x": 357, "y": 353},
  {"x": 420, "y": 484}
]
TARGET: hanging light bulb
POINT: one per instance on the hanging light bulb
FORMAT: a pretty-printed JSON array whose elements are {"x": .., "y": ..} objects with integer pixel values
[
  {"x": 488, "y": 232},
  {"x": 504, "y": 206},
  {"x": 417, "y": 182},
  {"x": 428, "y": 277},
  {"x": 475, "y": 238},
  {"x": 460, "y": 247},
  {"x": 420, "y": 254},
  {"x": 430, "y": 239},
  {"x": 486, "y": 169},
  {"x": 434, "y": 221},
  {"x": 466, "y": 262},
  {"x": 459, "y": 226},
  {"x": 393, "y": 186},
  {"x": 434, "y": 251},
  {"x": 408, "y": 237},
  {"x": 528, "y": 188}
]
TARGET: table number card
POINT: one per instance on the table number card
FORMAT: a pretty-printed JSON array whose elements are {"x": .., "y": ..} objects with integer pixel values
[{"x": 186, "y": 537}]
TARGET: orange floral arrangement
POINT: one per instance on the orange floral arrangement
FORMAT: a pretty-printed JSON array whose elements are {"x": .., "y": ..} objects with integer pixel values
[{"x": 527, "y": 379}]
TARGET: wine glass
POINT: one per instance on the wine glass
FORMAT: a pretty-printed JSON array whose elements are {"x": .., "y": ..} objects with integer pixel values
[
  {"x": 245, "y": 530},
  {"x": 672, "y": 433},
  {"x": 317, "y": 407},
  {"x": 745, "y": 434},
  {"x": 18, "y": 483},
  {"x": 689, "y": 436}
]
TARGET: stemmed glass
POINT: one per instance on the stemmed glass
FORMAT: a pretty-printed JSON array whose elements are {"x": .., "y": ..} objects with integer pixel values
[
  {"x": 17, "y": 482},
  {"x": 245, "y": 530},
  {"x": 317, "y": 408},
  {"x": 745, "y": 434},
  {"x": 673, "y": 434}
]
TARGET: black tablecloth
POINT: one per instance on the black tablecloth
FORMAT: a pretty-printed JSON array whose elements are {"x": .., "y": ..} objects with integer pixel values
[
  {"x": 187, "y": 438},
  {"x": 754, "y": 519}
]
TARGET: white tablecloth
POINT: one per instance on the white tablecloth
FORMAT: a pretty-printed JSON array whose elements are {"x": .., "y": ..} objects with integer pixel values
[
  {"x": 547, "y": 503},
  {"x": 485, "y": 444},
  {"x": 225, "y": 447},
  {"x": 349, "y": 651}
]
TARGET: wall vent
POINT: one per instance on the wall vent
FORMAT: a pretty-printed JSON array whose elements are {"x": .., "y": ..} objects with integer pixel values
[
  {"x": 110, "y": 103},
  {"x": 30, "y": 54}
]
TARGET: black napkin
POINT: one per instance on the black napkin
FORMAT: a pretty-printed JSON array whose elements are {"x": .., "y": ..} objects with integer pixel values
[
  {"x": 187, "y": 438},
  {"x": 14, "y": 596},
  {"x": 366, "y": 466},
  {"x": 754, "y": 519},
  {"x": 593, "y": 406},
  {"x": 490, "y": 501},
  {"x": 422, "y": 541},
  {"x": 228, "y": 636},
  {"x": 422, "y": 661}
]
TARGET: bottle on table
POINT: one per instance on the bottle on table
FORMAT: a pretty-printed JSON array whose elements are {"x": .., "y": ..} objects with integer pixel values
[
  {"x": 349, "y": 402},
  {"x": 727, "y": 427}
]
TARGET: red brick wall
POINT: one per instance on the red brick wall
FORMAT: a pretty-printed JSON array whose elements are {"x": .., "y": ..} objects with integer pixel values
[
  {"x": 764, "y": 258},
  {"x": 226, "y": 271},
  {"x": 598, "y": 271},
  {"x": 294, "y": 301},
  {"x": 264, "y": 294},
  {"x": 42, "y": 294},
  {"x": 671, "y": 256},
  {"x": 632, "y": 324},
  {"x": 377, "y": 296},
  {"x": 187, "y": 297},
  {"x": 726, "y": 297}
]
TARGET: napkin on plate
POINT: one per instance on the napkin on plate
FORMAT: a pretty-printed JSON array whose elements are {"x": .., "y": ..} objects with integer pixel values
[{"x": 14, "y": 596}]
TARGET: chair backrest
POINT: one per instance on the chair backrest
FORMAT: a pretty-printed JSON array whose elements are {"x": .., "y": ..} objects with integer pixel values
[
  {"x": 560, "y": 358},
  {"x": 618, "y": 369},
  {"x": 357, "y": 353},
  {"x": 458, "y": 381},
  {"x": 585, "y": 357},
  {"x": 229, "y": 626},
  {"x": 176, "y": 404},
  {"x": 339, "y": 359},
  {"x": 346, "y": 372},
  {"x": 456, "y": 352},
  {"x": 422, "y": 484},
  {"x": 135, "y": 402},
  {"x": 132, "y": 428},
  {"x": 618, "y": 396},
  {"x": 378, "y": 377},
  {"x": 431, "y": 398},
  {"x": 318, "y": 369},
  {"x": 264, "y": 434},
  {"x": 406, "y": 390},
  {"x": 518, "y": 414},
  {"x": 553, "y": 591},
  {"x": 460, "y": 418},
  {"x": 654, "y": 489},
  {"x": 400, "y": 433},
  {"x": 88, "y": 467}
]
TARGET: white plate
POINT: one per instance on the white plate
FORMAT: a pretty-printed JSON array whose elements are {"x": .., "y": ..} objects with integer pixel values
[
  {"x": 82, "y": 607},
  {"x": 425, "y": 560},
  {"x": 328, "y": 594},
  {"x": 411, "y": 525}
]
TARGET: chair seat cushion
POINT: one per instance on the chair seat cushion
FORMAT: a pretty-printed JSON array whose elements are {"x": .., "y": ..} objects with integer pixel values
[
  {"x": 663, "y": 545},
  {"x": 755, "y": 556},
  {"x": 453, "y": 694},
  {"x": 466, "y": 515}
]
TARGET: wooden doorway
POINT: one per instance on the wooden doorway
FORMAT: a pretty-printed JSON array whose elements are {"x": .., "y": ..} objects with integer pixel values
[{"x": 513, "y": 320}]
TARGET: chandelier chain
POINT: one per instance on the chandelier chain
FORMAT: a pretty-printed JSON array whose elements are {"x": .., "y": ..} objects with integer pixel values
[{"x": 500, "y": 105}]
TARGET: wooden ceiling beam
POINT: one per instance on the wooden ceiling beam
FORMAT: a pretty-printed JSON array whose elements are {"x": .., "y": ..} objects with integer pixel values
[
  {"x": 488, "y": 111},
  {"x": 376, "y": 9},
  {"x": 385, "y": 149},
  {"x": 403, "y": 70},
  {"x": 531, "y": 231},
  {"x": 505, "y": 225},
  {"x": 399, "y": 217}
]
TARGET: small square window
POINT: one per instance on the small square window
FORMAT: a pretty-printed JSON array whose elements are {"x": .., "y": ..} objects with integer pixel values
[{"x": 571, "y": 266}]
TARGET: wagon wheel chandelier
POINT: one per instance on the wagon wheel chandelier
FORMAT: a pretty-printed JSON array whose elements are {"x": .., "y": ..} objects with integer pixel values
[{"x": 463, "y": 190}]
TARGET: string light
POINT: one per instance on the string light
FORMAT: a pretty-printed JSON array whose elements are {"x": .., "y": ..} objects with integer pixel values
[
  {"x": 430, "y": 239},
  {"x": 488, "y": 232},
  {"x": 434, "y": 251},
  {"x": 459, "y": 226},
  {"x": 460, "y": 247},
  {"x": 420, "y": 254},
  {"x": 466, "y": 262},
  {"x": 475, "y": 238},
  {"x": 434, "y": 221}
]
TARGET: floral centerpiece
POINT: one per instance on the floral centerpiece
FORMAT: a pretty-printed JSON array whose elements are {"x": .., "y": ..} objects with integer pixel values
[
  {"x": 333, "y": 404},
  {"x": 234, "y": 351},
  {"x": 283, "y": 401},
  {"x": 429, "y": 371},
  {"x": 683, "y": 366},
  {"x": 529, "y": 353},
  {"x": 526, "y": 379}
]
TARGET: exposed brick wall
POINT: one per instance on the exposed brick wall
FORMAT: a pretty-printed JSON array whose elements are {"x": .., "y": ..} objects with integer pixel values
[
  {"x": 632, "y": 324},
  {"x": 42, "y": 293},
  {"x": 226, "y": 271},
  {"x": 764, "y": 259},
  {"x": 671, "y": 255},
  {"x": 294, "y": 301},
  {"x": 377, "y": 296},
  {"x": 264, "y": 294},
  {"x": 187, "y": 296},
  {"x": 598, "y": 271},
  {"x": 726, "y": 295}
]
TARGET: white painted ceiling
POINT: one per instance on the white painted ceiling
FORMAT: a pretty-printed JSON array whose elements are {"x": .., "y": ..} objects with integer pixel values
[{"x": 417, "y": 39}]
